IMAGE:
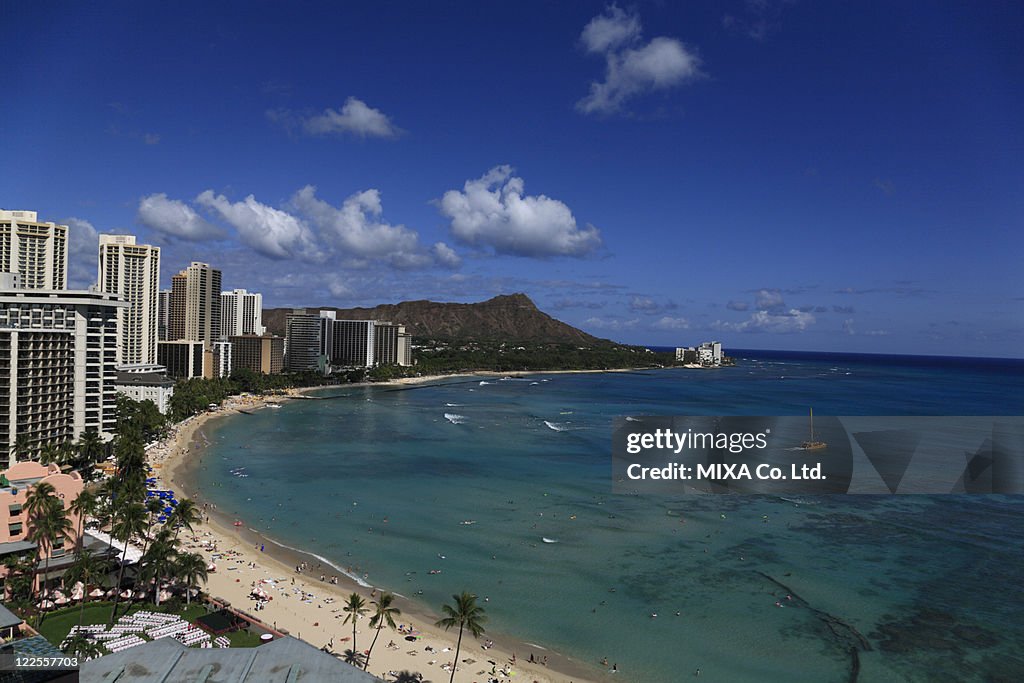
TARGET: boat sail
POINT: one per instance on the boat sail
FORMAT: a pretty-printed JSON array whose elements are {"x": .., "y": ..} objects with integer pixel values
[{"x": 812, "y": 444}]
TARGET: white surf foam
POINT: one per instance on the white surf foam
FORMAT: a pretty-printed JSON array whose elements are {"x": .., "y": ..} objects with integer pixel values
[{"x": 454, "y": 418}]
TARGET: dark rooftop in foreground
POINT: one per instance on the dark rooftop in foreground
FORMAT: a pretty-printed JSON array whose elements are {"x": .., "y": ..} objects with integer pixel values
[{"x": 285, "y": 660}]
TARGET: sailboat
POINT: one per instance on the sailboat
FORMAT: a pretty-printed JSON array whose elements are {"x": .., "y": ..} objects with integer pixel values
[{"x": 811, "y": 444}]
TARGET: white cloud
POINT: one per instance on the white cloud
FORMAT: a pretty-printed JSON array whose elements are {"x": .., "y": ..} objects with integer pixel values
[
  {"x": 613, "y": 324},
  {"x": 669, "y": 323},
  {"x": 357, "y": 232},
  {"x": 492, "y": 211},
  {"x": 632, "y": 67},
  {"x": 769, "y": 299},
  {"x": 271, "y": 232},
  {"x": 643, "y": 304},
  {"x": 611, "y": 29},
  {"x": 83, "y": 252},
  {"x": 337, "y": 287},
  {"x": 355, "y": 117},
  {"x": 176, "y": 219},
  {"x": 738, "y": 306},
  {"x": 764, "y": 321},
  {"x": 445, "y": 255},
  {"x": 848, "y": 326}
]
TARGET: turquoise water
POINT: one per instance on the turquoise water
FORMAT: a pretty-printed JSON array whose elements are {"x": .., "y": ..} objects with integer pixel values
[{"x": 381, "y": 479}]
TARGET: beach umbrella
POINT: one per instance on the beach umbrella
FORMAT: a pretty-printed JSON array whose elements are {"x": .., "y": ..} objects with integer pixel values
[
  {"x": 96, "y": 593},
  {"x": 61, "y": 600},
  {"x": 46, "y": 604},
  {"x": 164, "y": 595},
  {"x": 78, "y": 592},
  {"x": 126, "y": 594}
]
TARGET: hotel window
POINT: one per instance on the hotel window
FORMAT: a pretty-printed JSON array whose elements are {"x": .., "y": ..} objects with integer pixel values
[
  {"x": 15, "y": 509},
  {"x": 58, "y": 548},
  {"x": 14, "y": 529}
]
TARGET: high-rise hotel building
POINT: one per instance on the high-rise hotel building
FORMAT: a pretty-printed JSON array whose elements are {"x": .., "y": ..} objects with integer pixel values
[
  {"x": 241, "y": 313},
  {"x": 38, "y": 252},
  {"x": 194, "y": 313},
  {"x": 132, "y": 271},
  {"x": 58, "y": 366}
]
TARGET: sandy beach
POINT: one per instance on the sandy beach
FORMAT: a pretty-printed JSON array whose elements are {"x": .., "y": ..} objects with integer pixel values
[{"x": 311, "y": 609}]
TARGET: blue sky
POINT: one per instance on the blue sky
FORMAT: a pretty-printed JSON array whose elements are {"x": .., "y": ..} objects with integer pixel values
[{"x": 794, "y": 175}]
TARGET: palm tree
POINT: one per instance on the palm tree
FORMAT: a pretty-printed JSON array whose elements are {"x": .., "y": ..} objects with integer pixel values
[
  {"x": 82, "y": 647},
  {"x": 48, "y": 523},
  {"x": 154, "y": 506},
  {"x": 354, "y": 658},
  {"x": 84, "y": 505},
  {"x": 385, "y": 614},
  {"x": 22, "y": 445},
  {"x": 355, "y": 607},
  {"x": 190, "y": 568},
  {"x": 466, "y": 614},
  {"x": 185, "y": 514},
  {"x": 49, "y": 454},
  {"x": 90, "y": 448},
  {"x": 159, "y": 560},
  {"x": 87, "y": 568},
  {"x": 129, "y": 522}
]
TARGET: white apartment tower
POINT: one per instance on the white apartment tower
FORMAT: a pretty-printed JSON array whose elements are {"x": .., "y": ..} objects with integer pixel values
[
  {"x": 36, "y": 251},
  {"x": 132, "y": 271},
  {"x": 57, "y": 367},
  {"x": 241, "y": 312}
]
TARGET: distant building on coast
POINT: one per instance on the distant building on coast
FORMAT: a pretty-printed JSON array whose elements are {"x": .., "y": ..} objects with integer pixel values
[
  {"x": 241, "y": 312},
  {"x": 146, "y": 385},
  {"x": 303, "y": 335},
  {"x": 37, "y": 251},
  {"x": 318, "y": 340},
  {"x": 132, "y": 271},
  {"x": 194, "y": 312},
  {"x": 223, "y": 358},
  {"x": 58, "y": 367},
  {"x": 708, "y": 354},
  {"x": 259, "y": 353},
  {"x": 183, "y": 359},
  {"x": 391, "y": 345},
  {"x": 163, "y": 313}
]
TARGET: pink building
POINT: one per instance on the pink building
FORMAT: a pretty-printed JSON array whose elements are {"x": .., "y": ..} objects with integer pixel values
[{"x": 15, "y": 484}]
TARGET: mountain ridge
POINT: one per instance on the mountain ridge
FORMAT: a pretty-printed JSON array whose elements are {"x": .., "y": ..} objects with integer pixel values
[{"x": 506, "y": 317}]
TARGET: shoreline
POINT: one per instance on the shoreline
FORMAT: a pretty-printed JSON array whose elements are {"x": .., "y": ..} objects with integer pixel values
[{"x": 242, "y": 562}]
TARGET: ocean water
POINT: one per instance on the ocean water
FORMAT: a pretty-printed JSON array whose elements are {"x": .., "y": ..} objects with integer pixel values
[{"x": 469, "y": 476}]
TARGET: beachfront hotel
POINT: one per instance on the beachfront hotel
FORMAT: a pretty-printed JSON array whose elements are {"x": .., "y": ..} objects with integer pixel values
[
  {"x": 193, "y": 315},
  {"x": 16, "y": 482},
  {"x": 194, "y": 310},
  {"x": 303, "y": 335},
  {"x": 58, "y": 366},
  {"x": 36, "y": 251},
  {"x": 392, "y": 345},
  {"x": 318, "y": 340},
  {"x": 132, "y": 271},
  {"x": 241, "y": 312},
  {"x": 183, "y": 359},
  {"x": 259, "y": 353}
]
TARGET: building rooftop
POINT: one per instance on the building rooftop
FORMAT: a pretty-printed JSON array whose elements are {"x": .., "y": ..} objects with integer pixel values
[
  {"x": 12, "y": 547},
  {"x": 282, "y": 660},
  {"x": 8, "y": 618},
  {"x": 148, "y": 379}
]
